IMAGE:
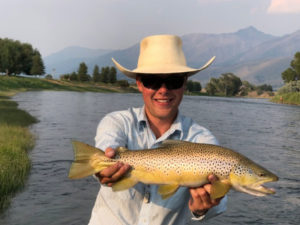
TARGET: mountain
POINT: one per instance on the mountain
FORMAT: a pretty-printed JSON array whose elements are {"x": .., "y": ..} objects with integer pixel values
[
  {"x": 265, "y": 62},
  {"x": 68, "y": 59},
  {"x": 223, "y": 46},
  {"x": 249, "y": 53}
]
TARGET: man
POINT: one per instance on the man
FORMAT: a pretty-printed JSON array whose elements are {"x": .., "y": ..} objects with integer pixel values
[{"x": 161, "y": 76}]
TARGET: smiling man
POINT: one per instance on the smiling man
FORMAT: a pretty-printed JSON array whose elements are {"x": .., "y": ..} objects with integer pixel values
[{"x": 161, "y": 77}]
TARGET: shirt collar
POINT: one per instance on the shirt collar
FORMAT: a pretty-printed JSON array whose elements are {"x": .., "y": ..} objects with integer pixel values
[{"x": 176, "y": 127}]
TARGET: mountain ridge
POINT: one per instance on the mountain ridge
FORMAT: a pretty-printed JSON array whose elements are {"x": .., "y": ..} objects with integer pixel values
[{"x": 249, "y": 53}]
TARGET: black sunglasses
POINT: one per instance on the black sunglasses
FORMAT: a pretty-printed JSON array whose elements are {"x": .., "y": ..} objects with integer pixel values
[{"x": 155, "y": 82}]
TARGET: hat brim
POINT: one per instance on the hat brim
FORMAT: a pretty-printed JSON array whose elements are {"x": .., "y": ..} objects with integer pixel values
[{"x": 165, "y": 69}]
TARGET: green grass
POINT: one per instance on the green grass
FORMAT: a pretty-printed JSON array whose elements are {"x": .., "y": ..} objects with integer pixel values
[
  {"x": 292, "y": 98},
  {"x": 23, "y": 83},
  {"x": 17, "y": 83},
  {"x": 15, "y": 141}
]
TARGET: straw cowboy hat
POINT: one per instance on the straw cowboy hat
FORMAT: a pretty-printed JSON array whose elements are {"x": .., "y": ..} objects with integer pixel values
[{"x": 161, "y": 54}]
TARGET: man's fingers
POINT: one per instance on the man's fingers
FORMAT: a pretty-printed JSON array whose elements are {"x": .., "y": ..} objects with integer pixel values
[
  {"x": 207, "y": 188},
  {"x": 113, "y": 173},
  {"x": 110, "y": 153},
  {"x": 109, "y": 171},
  {"x": 212, "y": 178},
  {"x": 119, "y": 173},
  {"x": 201, "y": 196}
]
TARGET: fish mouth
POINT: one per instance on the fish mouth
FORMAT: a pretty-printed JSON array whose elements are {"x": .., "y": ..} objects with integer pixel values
[{"x": 258, "y": 189}]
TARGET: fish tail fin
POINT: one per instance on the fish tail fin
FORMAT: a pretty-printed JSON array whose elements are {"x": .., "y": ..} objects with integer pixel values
[{"x": 84, "y": 165}]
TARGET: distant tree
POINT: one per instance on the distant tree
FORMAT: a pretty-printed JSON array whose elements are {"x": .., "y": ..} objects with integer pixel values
[
  {"x": 37, "y": 65},
  {"x": 112, "y": 77},
  {"x": 193, "y": 86},
  {"x": 213, "y": 86},
  {"x": 105, "y": 74},
  {"x": 292, "y": 73},
  {"x": 228, "y": 84},
  {"x": 246, "y": 88},
  {"x": 291, "y": 87},
  {"x": 49, "y": 77},
  {"x": 82, "y": 72},
  {"x": 265, "y": 87},
  {"x": 17, "y": 58},
  {"x": 196, "y": 86},
  {"x": 123, "y": 83},
  {"x": 74, "y": 76},
  {"x": 189, "y": 85},
  {"x": 65, "y": 77},
  {"x": 96, "y": 74}
]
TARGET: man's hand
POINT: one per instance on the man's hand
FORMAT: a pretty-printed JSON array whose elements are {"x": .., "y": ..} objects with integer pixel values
[
  {"x": 113, "y": 173},
  {"x": 200, "y": 201}
]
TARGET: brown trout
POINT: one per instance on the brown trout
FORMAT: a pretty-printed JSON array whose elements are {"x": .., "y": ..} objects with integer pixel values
[{"x": 175, "y": 164}]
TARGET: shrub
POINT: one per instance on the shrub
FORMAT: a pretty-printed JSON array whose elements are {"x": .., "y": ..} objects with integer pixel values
[
  {"x": 49, "y": 77},
  {"x": 123, "y": 83}
]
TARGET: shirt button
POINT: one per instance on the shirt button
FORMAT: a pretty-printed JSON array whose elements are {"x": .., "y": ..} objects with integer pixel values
[{"x": 147, "y": 197}]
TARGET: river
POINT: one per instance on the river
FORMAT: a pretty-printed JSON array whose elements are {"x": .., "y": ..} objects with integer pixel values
[{"x": 265, "y": 132}]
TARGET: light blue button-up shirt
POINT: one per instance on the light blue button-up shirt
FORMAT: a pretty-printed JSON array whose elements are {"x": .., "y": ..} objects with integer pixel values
[{"x": 142, "y": 204}]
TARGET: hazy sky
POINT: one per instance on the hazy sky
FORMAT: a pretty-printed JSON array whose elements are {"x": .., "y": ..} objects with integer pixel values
[{"x": 51, "y": 25}]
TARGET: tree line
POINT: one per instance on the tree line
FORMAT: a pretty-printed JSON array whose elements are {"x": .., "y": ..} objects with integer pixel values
[
  {"x": 291, "y": 76},
  {"x": 293, "y": 72},
  {"x": 20, "y": 58},
  {"x": 231, "y": 85},
  {"x": 107, "y": 75}
]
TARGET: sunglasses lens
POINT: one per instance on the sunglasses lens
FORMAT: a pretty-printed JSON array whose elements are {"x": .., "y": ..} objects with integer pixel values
[
  {"x": 174, "y": 82},
  {"x": 154, "y": 82}
]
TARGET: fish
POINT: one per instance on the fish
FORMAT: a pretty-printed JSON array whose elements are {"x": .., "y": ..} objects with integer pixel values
[{"x": 177, "y": 163}]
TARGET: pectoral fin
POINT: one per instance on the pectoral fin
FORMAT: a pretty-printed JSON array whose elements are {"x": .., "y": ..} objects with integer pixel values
[
  {"x": 125, "y": 183},
  {"x": 219, "y": 189},
  {"x": 167, "y": 190},
  {"x": 121, "y": 149}
]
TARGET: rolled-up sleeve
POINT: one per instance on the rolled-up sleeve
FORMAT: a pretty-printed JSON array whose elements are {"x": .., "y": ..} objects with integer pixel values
[{"x": 110, "y": 133}]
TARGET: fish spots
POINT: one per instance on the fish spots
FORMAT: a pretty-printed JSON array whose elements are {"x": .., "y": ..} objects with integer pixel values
[{"x": 184, "y": 161}]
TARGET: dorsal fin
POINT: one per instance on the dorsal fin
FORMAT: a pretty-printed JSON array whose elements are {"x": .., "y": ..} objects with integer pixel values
[{"x": 170, "y": 143}]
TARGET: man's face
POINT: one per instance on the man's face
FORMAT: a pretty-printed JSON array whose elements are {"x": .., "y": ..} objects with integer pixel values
[{"x": 161, "y": 103}]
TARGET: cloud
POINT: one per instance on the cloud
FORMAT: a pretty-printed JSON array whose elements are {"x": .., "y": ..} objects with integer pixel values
[{"x": 284, "y": 6}]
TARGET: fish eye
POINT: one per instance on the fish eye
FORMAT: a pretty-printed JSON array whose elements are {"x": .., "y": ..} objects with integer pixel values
[{"x": 261, "y": 174}]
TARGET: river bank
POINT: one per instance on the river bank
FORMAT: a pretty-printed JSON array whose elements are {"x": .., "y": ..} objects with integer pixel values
[
  {"x": 15, "y": 141},
  {"x": 287, "y": 98},
  {"x": 18, "y": 83}
]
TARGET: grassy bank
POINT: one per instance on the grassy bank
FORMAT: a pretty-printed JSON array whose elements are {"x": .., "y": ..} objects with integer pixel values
[
  {"x": 17, "y": 83},
  {"x": 15, "y": 141},
  {"x": 287, "y": 98}
]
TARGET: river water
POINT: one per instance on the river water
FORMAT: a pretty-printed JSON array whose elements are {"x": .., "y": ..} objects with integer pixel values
[{"x": 265, "y": 132}]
